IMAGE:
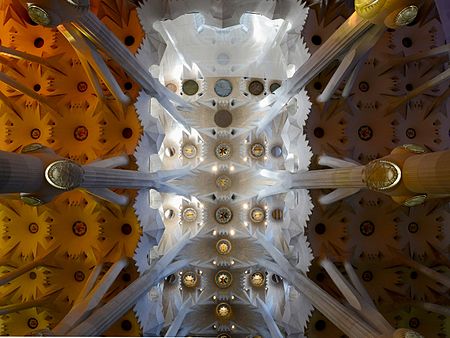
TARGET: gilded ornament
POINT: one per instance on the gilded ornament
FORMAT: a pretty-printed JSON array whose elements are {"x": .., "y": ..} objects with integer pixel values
[
  {"x": 369, "y": 8},
  {"x": 64, "y": 174},
  {"x": 415, "y": 200},
  {"x": 190, "y": 279},
  {"x": 414, "y": 148},
  {"x": 223, "y": 215},
  {"x": 257, "y": 150},
  {"x": 223, "y": 246},
  {"x": 189, "y": 150},
  {"x": 257, "y": 279},
  {"x": 223, "y": 310},
  {"x": 257, "y": 215},
  {"x": 31, "y": 200},
  {"x": 39, "y": 15},
  {"x": 223, "y": 279},
  {"x": 189, "y": 215},
  {"x": 223, "y": 182},
  {"x": 406, "y": 15},
  {"x": 223, "y": 151},
  {"x": 381, "y": 175}
]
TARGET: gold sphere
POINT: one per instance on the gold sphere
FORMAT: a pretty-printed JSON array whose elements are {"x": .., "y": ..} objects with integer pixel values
[
  {"x": 223, "y": 310},
  {"x": 257, "y": 279},
  {"x": 190, "y": 279}
]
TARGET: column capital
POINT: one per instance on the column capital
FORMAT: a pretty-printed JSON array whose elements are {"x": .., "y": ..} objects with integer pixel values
[
  {"x": 381, "y": 175},
  {"x": 51, "y": 13},
  {"x": 391, "y": 13},
  {"x": 64, "y": 174}
]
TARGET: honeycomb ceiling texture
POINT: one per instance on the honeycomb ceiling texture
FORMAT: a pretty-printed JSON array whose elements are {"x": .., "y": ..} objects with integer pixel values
[{"x": 63, "y": 262}]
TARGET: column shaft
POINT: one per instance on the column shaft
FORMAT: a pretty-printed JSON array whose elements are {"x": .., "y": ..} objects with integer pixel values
[
  {"x": 428, "y": 173},
  {"x": 20, "y": 173},
  {"x": 94, "y": 177}
]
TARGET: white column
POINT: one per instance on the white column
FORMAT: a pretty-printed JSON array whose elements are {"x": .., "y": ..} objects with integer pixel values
[
  {"x": 345, "y": 319},
  {"x": 102, "y": 318}
]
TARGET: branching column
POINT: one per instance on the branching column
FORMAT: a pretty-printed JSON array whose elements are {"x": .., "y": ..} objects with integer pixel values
[
  {"x": 103, "y": 317},
  {"x": 408, "y": 174},
  {"x": 350, "y": 177}
]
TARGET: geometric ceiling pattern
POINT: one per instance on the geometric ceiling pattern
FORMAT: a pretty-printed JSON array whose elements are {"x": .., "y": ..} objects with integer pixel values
[{"x": 48, "y": 98}]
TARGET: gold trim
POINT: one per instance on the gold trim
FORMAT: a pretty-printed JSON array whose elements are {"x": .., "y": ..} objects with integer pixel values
[
  {"x": 189, "y": 150},
  {"x": 415, "y": 200},
  {"x": 382, "y": 175},
  {"x": 223, "y": 246},
  {"x": 64, "y": 174},
  {"x": 415, "y": 148},
  {"x": 39, "y": 15},
  {"x": 31, "y": 200},
  {"x": 228, "y": 275},
  {"x": 368, "y": 9},
  {"x": 31, "y": 148},
  {"x": 189, "y": 215},
  {"x": 406, "y": 15}
]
